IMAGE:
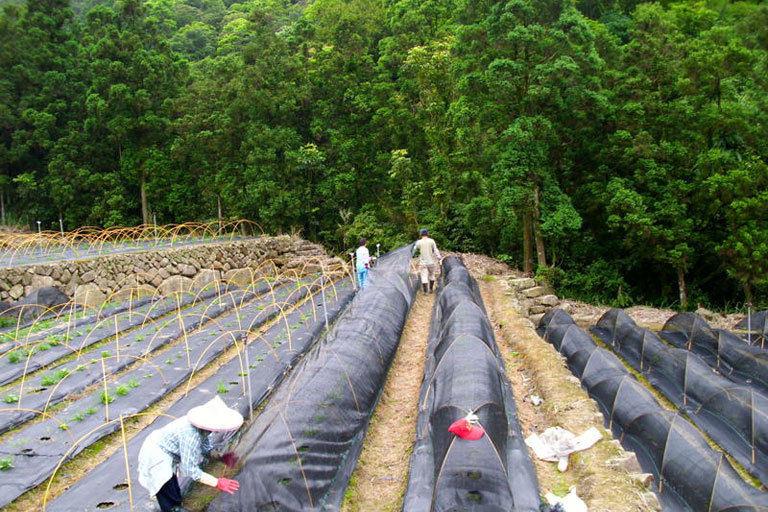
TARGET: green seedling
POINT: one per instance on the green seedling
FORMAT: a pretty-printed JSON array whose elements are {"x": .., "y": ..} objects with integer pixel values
[
  {"x": 43, "y": 347},
  {"x": 105, "y": 353},
  {"x": 79, "y": 416},
  {"x": 79, "y": 368},
  {"x": 106, "y": 398},
  {"x": 221, "y": 388},
  {"x": 169, "y": 361},
  {"x": 63, "y": 426},
  {"x": 139, "y": 337},
  {"x": 90, "y": 411},
  {"x": 48, "y": 380},
  {"x": 134, "y": 383},
  {"x": 10, "y": 398},
  {"x": 121, "y": 390},
  {"x": 6, "y": 464}
]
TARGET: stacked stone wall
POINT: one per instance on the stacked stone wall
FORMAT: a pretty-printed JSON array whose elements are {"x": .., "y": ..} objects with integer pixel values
[{"x": 116, "y": 276}]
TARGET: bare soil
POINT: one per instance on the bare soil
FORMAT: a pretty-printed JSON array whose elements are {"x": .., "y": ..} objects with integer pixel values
[
  {"x": 604, "y": 476},
  {"x": 380, "y": 478}
]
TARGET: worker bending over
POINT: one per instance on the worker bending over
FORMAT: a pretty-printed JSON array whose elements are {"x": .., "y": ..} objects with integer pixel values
[{"x": 180, "y": 446}]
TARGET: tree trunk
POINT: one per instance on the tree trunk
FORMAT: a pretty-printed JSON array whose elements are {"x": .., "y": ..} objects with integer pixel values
[
  {"x": 747, "y": 290},
  {"x": 527, "y": 243},
  {"x": 683, "y": 288},
  {"x": 541, "y": 253},
  {"x": 144, "y": 206}
]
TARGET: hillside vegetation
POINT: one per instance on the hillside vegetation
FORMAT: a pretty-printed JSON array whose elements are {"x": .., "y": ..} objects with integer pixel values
[{"x": 618, "y": 147}]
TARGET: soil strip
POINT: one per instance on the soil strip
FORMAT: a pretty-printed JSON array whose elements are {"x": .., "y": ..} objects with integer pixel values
[{"x": 381, "y": 475}]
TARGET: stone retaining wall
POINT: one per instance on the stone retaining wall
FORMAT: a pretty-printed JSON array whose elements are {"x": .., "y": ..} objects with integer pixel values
[
  {"x": 531, "y": 299},
  {"x": 115, "y": 277}
]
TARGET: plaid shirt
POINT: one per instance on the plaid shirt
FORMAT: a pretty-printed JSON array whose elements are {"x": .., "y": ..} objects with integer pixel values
[{"x": 187, "y": 445}]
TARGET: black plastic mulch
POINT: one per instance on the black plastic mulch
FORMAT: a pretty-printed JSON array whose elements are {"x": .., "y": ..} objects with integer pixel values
[
  {"x": 38, "y": 448},
  {"x": 83, "y": 335},
  {"x": 735, "y": 417},
  {"x": 105, "y": 487},
  {"x": 58, "y": 382},
  {"x": 300, "y": 451},
  {"x": 68, "y": 319},
  {"x": 723, "y": 350},
  {"x": 690, "y": 475},
  {"x": 464, "y": 374}
]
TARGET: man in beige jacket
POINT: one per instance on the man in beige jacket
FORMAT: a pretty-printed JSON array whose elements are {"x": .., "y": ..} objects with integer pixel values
[{"x": 429, "y": 259}]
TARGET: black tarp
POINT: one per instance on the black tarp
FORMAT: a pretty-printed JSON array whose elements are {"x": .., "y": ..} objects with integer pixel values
[
  {"x": 756, "y": 326},
  {"x": 690, "y": 474},
  {"x": 301, "y": 450},
  {"x": 464, "y": 373},
  {"x": 734, "y": 416},
  {"x": 723, "y": 350},
  {"x": 40, "y": 446},
  {"x": 104, "y": 488},
  {"x": 38, "y": 302}
]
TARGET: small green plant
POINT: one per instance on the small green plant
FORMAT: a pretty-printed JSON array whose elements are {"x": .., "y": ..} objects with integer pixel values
[
  {"x": 79, "y": 368},
  {"x": 6, "y": 464},
  {"x": 134, "y": 383},
  {"x": 62, "y": 373},
  {"x": 43, "y": 347},
  {"x": 10, "y": 398},
  {"x": 63, "y": 426},
  {"x": 106, "y": 398},
  {"x": 139, "y": 337},
  {"x": 15, "y": 356},
  {"x": 90, "y": 411},
  {"x": 169, "y": 361},
  {"x": 79, "y": 416},
  {"x": 148, "y": 376},
  {"x": 121, "y": 390},
  {"x": 221, "y": 388},
  {"x": 48, "y": 380},
  {"x": 105, "y": 353}
]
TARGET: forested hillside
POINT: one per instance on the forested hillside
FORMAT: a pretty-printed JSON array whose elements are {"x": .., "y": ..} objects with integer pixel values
[{"x": 619, "y": 147}]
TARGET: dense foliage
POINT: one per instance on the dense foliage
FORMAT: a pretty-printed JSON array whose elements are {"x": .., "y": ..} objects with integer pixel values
[{"x": 618, "y": 147}]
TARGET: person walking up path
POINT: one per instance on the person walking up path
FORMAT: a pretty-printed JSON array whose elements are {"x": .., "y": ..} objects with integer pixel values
[{"x": 429, "y": 258}]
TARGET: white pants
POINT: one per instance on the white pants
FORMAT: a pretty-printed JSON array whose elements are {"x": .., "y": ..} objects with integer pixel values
[{"x": 427, "y": 272}]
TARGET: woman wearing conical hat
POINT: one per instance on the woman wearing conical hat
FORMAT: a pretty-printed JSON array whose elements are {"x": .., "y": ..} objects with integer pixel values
[{"x": 180, "y": 447}]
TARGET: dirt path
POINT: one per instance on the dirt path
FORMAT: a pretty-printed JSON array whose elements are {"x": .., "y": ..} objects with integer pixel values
[{"x": 379, "y": 481}]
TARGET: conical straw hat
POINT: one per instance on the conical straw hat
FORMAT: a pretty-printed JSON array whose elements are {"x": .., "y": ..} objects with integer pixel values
[{"x": 215, "y": 416}]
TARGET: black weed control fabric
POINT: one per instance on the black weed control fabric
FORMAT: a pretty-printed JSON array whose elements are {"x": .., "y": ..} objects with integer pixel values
[
  {"x": 70, "y": 341},
  {"x": 465, "y": 374},
  {"x": 757, "y": 327},
  {"x": 37, "y": 448},
  {"x": 301, "y": 450},
  {"x": 723, "y": 350},
  {"x": 691, "y": 475},
  {"x": 735, "y": 417},
  {"x": 39, "y": 392},
  {"x": 64, "y": 322},
  {"x": 105, "y": 488}
]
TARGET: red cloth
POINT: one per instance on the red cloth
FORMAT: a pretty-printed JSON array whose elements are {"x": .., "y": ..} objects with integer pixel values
[{"x": 466, "y": 430}]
